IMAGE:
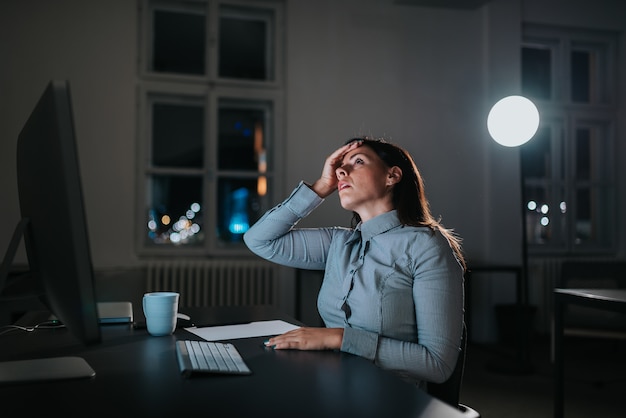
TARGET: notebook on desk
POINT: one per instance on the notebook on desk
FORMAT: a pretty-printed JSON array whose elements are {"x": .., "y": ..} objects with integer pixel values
[
  {"x": 115, "y": 312},
  {"x": 110, "y": 313}
]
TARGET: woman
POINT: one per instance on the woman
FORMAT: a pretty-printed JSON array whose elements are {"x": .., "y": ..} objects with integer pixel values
[{"x": 393, "y": 283}]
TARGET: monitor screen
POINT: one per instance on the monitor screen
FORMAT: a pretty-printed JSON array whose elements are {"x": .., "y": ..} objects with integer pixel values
[{"x": 53, "y": 224}]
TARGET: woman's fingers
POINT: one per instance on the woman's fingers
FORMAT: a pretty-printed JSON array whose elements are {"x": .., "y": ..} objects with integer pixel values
[
  {"x": 339, "y": 153},
  {"x": 306, "y": 338},
  {"x": 327, "y": 183}
]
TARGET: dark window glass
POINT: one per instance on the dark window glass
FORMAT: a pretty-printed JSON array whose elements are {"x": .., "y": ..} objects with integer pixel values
[
  {"x": 537, "y": 73},
  {"x": 178, "y": 42},
  {"x": 546, "y": 215},
  {"x": 593, "y": 212},
  {"x": 581, "y": 72},
  {"x": 583, "y": 154},
  {"x": 177, "y": 135},
  {"x": 239, "y": 206},
  {"x": 175, "y": 214},
  {"x": 583, "y": 207},
  {"x": 593, "y": 197},
  {"x": 243, "y": 49},
  {"x": 537, "y": 155},
  {"x": 593, "y": 154},
  {"x": 538, "y": 227},
  {"x": 241, "y": 142}
]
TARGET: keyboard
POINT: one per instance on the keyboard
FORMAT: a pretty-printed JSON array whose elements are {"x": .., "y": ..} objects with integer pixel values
[{"x": 209, "y": 357}]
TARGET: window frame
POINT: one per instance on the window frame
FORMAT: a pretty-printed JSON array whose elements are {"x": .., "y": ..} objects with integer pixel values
[
  {"x": 209, "y": 89},
  {"x": 562, "y": 114},
  {"x": 211, "y": 41}
]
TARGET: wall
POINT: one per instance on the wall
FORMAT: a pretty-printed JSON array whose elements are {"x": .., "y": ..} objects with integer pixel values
[
  {"x": 424, "y": 77},
  {"x": 92, "y": 44}
]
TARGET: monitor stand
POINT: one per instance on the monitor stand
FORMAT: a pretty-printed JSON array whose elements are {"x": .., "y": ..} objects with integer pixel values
[
  {"x": 41, "y": 369},
  {"x": 5, "y": 267},
  {"x": 44, "y": 369}
]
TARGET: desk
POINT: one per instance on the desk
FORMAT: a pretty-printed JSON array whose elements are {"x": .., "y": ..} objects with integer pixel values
[
  {"x": 610, "y": 299},
  {"x": 138, "y": 375}
]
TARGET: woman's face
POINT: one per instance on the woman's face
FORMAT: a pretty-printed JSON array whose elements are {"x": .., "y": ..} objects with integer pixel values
[{"x": 365, "y": 183}]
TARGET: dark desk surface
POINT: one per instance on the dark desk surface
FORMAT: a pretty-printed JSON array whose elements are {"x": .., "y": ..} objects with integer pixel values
[
  {"x": 138, "y": 374},
  {"x": 605, "y": 298},
  {"x": 609, "y": 299}
]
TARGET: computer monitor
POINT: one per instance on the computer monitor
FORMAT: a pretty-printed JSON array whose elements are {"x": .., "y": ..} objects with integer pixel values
[{"x": 53, "y": 222}]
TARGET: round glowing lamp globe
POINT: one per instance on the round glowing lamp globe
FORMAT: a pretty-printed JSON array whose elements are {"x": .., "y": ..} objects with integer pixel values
[{"x": 513, "y": 121}]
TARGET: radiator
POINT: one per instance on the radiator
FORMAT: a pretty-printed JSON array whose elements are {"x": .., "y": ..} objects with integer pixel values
[{"x": 215, "y": 282}]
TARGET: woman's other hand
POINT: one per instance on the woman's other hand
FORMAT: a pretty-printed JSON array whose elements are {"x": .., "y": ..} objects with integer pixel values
[{"x": 306, "y": 338}]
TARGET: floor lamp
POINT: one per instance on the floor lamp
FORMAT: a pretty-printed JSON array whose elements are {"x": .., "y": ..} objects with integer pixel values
[{"x": 512, "y": 122}]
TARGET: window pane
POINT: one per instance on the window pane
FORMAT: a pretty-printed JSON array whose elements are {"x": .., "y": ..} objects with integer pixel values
[
  {"x": 591, "y": 74},
  {"x": 592, "y": 153},
  {"x": 583, "y": 154},
  {"x": 536, "y": 155},
  {"x": 177, "y": 135},
  {"x": 546, "y": 216},
  {"x": 244, "y": 43},
  {"x": 242, "y": 138},
  {"x": 538, "y": 227},
  {"x": 593, "y": 200},
  {"x": 178, "y": 44},
  {"x": 583, "y": 215},
  {"x": 174, "y": 210},
  {"x": 593, "y": 217},
  {"x": 537, "y": 73},
  {"x": 240, "y": 206},
  {"x": 581, "y": 76}
]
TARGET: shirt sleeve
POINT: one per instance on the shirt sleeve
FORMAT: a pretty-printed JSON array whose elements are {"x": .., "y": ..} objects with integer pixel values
[{"x": 275, "y": 238}]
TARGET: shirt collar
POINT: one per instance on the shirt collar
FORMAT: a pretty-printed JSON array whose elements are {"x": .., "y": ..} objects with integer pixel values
[{"x": 378, "y": 225}]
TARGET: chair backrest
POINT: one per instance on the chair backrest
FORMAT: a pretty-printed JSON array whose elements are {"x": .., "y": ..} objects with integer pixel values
[{"x": 450, "y": 390}]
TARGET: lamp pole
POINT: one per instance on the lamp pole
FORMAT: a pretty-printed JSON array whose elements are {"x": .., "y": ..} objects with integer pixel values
[
  {"x": 512, "y": 122},
  {"x": 524, "y": 315}
]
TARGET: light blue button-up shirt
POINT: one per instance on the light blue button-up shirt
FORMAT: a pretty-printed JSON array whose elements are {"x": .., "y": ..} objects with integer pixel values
[{"x": 396, "y": 290}]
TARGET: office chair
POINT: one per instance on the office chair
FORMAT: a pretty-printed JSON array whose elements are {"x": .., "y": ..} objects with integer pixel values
[{"x": 450, "y": 390}]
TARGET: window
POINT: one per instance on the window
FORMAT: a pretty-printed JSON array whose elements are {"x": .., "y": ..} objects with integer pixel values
[
  {"x": 210, "y": 96},
  {"x": 569, "y": 168}
]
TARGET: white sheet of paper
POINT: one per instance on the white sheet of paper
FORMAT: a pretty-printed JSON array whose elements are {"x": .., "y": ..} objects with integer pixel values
[{"x": 252, "y": 329}]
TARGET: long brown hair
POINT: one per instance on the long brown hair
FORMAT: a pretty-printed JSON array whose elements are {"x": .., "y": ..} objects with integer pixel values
[{"x": 409, "y": 198}]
